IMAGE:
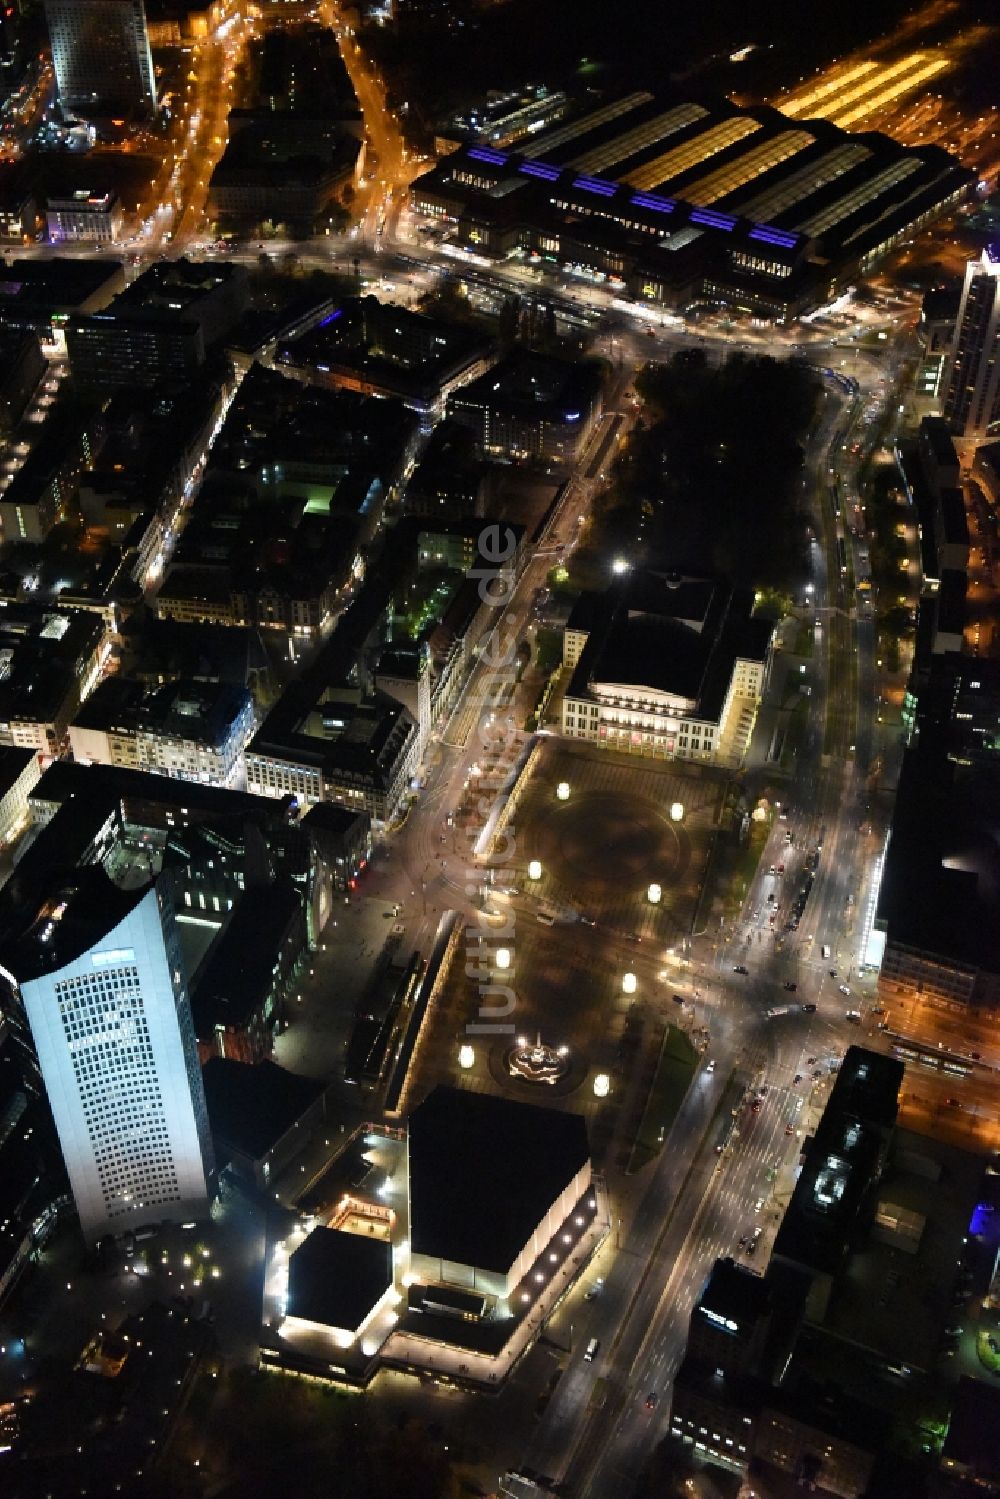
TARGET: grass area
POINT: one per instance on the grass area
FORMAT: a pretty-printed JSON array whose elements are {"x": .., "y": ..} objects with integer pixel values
[
  {"x": 795, "y": 729},
  {"x": 743, "y": 865},
  {"x": 676, "y": 1067},
  {"x": 548, "y": 651},
  {"x": 731, "y": 868},
  {"x": 805, "y": 639}
]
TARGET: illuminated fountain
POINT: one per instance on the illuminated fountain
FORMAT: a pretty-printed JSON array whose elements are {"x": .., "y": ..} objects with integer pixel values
[{"x": 538, "y": 1063}]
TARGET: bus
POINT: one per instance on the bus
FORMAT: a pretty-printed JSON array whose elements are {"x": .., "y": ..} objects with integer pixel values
[{"x": 842, "y": 554}]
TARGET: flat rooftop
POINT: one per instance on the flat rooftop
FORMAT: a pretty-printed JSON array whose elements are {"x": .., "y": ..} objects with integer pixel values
[
  {"x": 137, "y": 789},
  {"x": 843, "y": 1164},
  {"x": 972, "y": 1432},
  {"x": 238, "y": 974},
  {"x": 484, "y": 1171},
  {"x": 533, "y": 385},
  {"x": 667, "y": 632},
  {"x": 337, "y": 1278},
  {"x": 893, "y": 1303},
  {"x": 735, "y": 1291},
  {"x": 405, "y": 352},
  {"x": 251, "y": 1107},
  {"x": 940, "y": 890},
  {"x": 201, "y": 712}
]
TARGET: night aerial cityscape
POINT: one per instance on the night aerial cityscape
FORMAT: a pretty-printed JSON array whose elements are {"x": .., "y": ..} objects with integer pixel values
[{"x": 499, "y": 749}]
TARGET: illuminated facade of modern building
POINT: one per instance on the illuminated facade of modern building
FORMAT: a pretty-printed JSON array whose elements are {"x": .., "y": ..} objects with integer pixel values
[
  {"x": 972, "y": 398},
  {"x": 101, "y": 56},
  {"x": 680, "y": 201},
  {"x": 96, "y": 992}
]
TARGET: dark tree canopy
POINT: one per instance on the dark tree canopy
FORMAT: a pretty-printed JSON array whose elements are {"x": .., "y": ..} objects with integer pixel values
[{"x": 713, "y": 477}]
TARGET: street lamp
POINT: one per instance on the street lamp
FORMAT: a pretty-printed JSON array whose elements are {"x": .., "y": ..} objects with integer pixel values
[
  {"x": 654, "y": 894},
  {"x": 676, "y": 811},
  {"x": 602, "y": 1085},
  {"x": 628, "y": 983},
  {"x": 466, "y": 1056},
  {"x": 619, "y": 566},
  {"x": 503, "y": 957},
  {"x": 535, "y": 870},
  {"x": 562, "y": 791}
]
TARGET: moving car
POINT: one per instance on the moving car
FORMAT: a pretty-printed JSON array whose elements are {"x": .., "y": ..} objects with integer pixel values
[
  {"x": 790, "y": 985},
  {"x": 808, "y": 1009},
  {"x": 740, "y": 969},
  {"x": 591, "y": 1351},
  {"x": 854, "y": 1016},
  {"x": 652, "y": 1400}
]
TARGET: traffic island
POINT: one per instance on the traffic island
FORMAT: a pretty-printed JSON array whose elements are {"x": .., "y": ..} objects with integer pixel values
[{"x": 675, "y": 1068}]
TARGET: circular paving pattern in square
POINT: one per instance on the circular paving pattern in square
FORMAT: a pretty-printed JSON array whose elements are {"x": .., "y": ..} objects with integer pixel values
[{"x": 599, "y": 842}]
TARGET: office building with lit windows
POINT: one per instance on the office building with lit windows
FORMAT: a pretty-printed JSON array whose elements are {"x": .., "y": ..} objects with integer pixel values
[
  {"x": 531, "y": 406},
  {"x": 95, "y": 992},
  {"x": 101, "y": 56},
  {"x": 680, "y": 201},
  {"x": 972, "y": 397},
  {"x": 191, "y": 730}
]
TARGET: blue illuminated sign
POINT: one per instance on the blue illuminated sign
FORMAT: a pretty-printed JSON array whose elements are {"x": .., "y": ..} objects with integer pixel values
[
  {"x": 331, "y": 317},
  {"x": 774, "y": 236},
  {"x": 650, "y": 200},
  {"x": 712, "y": 220},
  {"x": 539, "y": 169},
  {"x": 596, "y": 185},
  {"x": 485, "y": 153}
]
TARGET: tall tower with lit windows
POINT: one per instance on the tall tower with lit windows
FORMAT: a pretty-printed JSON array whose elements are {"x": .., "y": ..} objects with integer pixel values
[
  {"x": 972, "y": 398},
  {"x": 95, "y": 990},
  {"x": 101, "y": 56}
]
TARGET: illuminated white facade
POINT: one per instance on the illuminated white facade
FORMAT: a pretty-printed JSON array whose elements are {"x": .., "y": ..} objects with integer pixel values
[
  {"x": 667, "y": 666},
  {"x": 116, "y": 1051},
  {"x": 648, "y": 721}
]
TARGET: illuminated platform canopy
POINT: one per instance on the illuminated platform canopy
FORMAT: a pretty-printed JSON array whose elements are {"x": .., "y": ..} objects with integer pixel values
[{"x": 681, "y": 200}]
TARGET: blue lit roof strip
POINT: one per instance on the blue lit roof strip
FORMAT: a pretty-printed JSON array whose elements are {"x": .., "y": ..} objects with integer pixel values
[
  {"x": 774, "y": 236},
  {"x": 713, "y": 220},
  {"x": 539, "y": 169},
  {"x": 650, "y": 200},
  {"x": 596, "y": 185},
  {"x": 484, "y": 153}
]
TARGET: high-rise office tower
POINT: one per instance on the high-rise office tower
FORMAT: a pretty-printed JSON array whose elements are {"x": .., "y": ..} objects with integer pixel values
[
  {"x": 972, "y": 398},
  {"x": 96, "y": 995},
  {"x": 100, "y": 52}
]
